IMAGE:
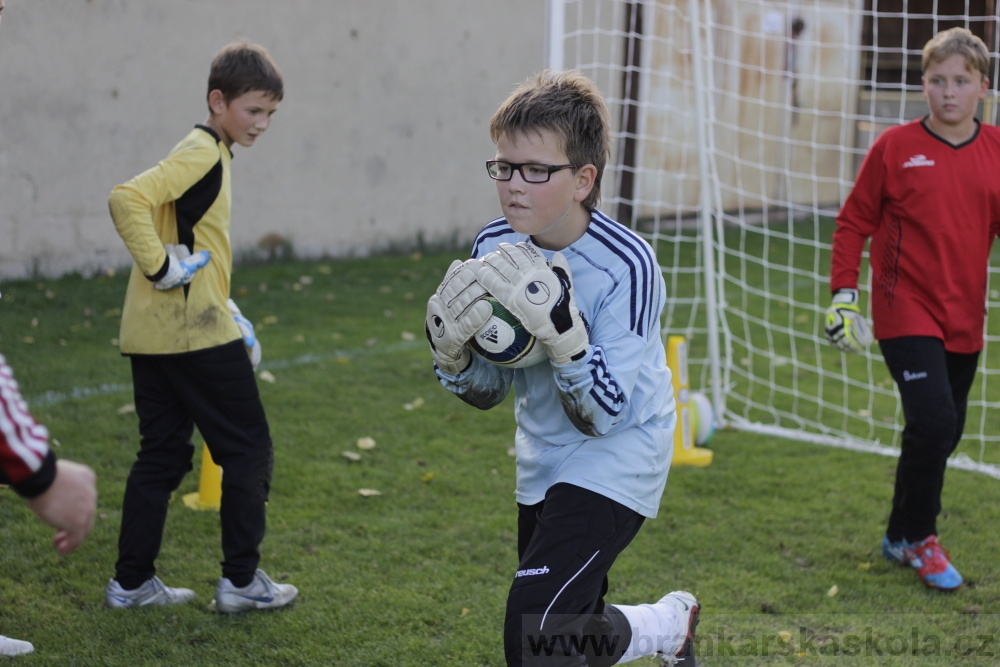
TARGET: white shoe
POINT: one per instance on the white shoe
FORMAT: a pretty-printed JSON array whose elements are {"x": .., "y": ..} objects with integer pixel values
[
  {"x": 153, "y": 592},
  {"x": 11, "y": 647},
  {"x": 683, "y": 608},
  {"x": 261, "y": 593}
]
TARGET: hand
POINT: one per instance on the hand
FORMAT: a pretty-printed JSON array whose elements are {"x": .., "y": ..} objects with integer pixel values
[
  {"x": 454, "y": 313},
  {"x": 846, "y": 328},
  {"x": 538, "y": 294},
  {"x": 68, "y": 505},
  {"x": 249, "y": 337},
  {"x": 181, "y": 266}
]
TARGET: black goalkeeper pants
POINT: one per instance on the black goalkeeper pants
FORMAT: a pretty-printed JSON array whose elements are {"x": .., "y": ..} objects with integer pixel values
[
  {"x": 216, "y": 390},
  {"x": 556, "y": 613},
  {"x": 934, "y": 387}
]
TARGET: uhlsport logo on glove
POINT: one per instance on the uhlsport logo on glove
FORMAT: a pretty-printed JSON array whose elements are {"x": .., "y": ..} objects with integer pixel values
[
  {"x": 438, "y": 325},
  {"x": 537, "y": 292}
]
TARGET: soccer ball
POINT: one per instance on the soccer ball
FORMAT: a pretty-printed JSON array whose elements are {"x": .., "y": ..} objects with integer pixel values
[
  {"x": 504, "y": 341},
  {"x": 703, "y": 419}
]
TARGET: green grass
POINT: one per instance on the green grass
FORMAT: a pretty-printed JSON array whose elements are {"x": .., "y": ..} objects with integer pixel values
[{"x": 418, "y": 575}]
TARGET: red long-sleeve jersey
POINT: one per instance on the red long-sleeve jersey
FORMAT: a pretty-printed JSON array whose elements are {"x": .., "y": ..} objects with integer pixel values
[
  {"x": 931, "y": 210},
  {"x": 26, "y": 462}
]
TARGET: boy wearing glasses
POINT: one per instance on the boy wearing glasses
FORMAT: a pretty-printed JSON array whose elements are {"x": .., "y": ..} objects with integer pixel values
[{"x": 595, "y": 421}]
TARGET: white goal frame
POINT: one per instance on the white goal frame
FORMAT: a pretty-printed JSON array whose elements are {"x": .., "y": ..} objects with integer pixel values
[{"x": 739, "y": 126}]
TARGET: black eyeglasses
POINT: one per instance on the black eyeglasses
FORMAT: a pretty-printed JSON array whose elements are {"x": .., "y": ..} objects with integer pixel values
[{"x": 530, "y": 172}]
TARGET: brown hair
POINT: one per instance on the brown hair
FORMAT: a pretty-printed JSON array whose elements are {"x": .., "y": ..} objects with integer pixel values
[
  {"x": 569, "y": 105},
  {"x": 241, "y": 67},
  {"x": 957, "y": 41}
]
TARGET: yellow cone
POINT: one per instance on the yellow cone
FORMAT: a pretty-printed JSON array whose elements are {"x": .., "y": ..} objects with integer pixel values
[
  {"x": 685, "y": 452},
  {"x": 209, "y": 494}
]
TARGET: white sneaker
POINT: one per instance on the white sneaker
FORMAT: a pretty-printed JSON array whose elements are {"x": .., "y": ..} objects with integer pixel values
[
  {"x": 261, "y": 593},
  {"x": 683, "y": 608},
  {"x": 153, "y": 592},
  {"x": 11, "y": 647}
]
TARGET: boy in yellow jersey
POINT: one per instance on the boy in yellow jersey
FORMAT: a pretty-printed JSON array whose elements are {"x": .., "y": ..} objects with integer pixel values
[{"x": 188, "y": 345}]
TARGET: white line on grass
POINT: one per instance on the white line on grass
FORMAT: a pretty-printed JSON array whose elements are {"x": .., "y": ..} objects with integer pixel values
[{"x": 49, "y": 398}]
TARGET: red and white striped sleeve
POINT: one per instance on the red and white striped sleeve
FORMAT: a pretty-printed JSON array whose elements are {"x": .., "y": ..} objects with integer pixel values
[{"x": 26, "y": 461}]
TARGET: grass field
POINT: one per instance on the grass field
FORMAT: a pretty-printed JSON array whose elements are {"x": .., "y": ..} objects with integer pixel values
[{"x": 777, "y": 539}]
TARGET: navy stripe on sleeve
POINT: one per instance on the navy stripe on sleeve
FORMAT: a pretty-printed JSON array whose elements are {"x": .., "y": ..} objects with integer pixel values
[{"x": 638, "y": 256}]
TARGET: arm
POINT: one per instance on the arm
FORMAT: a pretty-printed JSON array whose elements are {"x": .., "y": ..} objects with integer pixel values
[
  {"x": 61, "y": 493},
  {"x": 846, "y": 327},
  {"x": 133, "y": 203},
  {"x": 482, "y": 385},
  {"x": 858, "y": 220}
]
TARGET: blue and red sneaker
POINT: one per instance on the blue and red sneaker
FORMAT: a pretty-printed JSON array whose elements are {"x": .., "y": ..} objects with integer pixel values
[
  {"x": 895, "y": 551},
  {"x": 932, "y": 563}
]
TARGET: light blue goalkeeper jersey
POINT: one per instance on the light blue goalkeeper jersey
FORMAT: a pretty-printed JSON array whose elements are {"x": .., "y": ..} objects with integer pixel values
[{"x": 604, "y": 422}]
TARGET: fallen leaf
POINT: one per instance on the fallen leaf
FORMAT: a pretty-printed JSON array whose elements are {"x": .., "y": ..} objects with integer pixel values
[
  {"x": 366, "y": 443},
  {"x": 324, "y": 269},
  {"x": 371, "y": 342},
  {"x": 833, "y": 591},
  {"x": 785, "y": 636},
  {"x": 354, "y": 456},
  {"x": 126, "y": 409},
  {"x": 306, "y": 280},
  {"x": 408, "y": 335},
  {"x": 369, "y": 492},
  {"x": 270, "y": 319},
  {"x": 428, "y": 477},
  {"x": 465, "y": 610},
  {"x": 864, "y": 566},
  {"x": 511, "y": 451},
  {"x": 267, "y": 376}
]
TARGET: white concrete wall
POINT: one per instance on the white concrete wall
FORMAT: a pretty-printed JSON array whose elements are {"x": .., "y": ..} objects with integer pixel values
[{"x": 380, "y": 140}]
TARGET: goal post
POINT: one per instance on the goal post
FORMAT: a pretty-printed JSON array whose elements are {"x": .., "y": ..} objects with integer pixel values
[{"x": 738, "y": 128}]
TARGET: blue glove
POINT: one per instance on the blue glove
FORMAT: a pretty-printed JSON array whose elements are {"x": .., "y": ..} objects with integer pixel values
[
  {"x": 181, "y": 266},
  {"x": 249, "y": 337}
]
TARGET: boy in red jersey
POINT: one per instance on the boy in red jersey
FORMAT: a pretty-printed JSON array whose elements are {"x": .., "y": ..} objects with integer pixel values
[{"x": 928, "y": 197}]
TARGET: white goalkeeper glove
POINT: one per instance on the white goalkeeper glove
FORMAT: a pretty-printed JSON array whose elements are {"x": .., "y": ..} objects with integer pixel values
[
  {"x": 454, "y": 313},
  {"x": 846, "y": 328},
  {"x": 246, "y": 329},
  {"x": 539, "y": 294},
  {"x": 181, "y": 266}
]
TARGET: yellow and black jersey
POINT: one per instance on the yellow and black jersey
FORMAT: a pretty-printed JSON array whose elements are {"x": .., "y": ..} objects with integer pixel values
[{"x": 185, "y": 199}]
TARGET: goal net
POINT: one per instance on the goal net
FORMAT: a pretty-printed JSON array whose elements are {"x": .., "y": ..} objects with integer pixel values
[{"x": 739, "y": 126}]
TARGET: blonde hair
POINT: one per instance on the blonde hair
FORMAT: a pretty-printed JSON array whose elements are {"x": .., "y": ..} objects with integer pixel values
[
  {"x": 567, "y": 104},
  {"x": 957, "y": 41}
]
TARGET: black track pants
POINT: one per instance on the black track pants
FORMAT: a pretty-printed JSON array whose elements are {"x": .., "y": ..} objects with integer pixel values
[
  {"x": 934, "y": 389},
  {"x": 556, "y": 613},
  {"x": 216, "y": 391}
]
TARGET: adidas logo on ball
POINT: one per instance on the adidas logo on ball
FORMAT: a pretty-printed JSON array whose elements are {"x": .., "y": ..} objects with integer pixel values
[{"x": 504, "y": 341}]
